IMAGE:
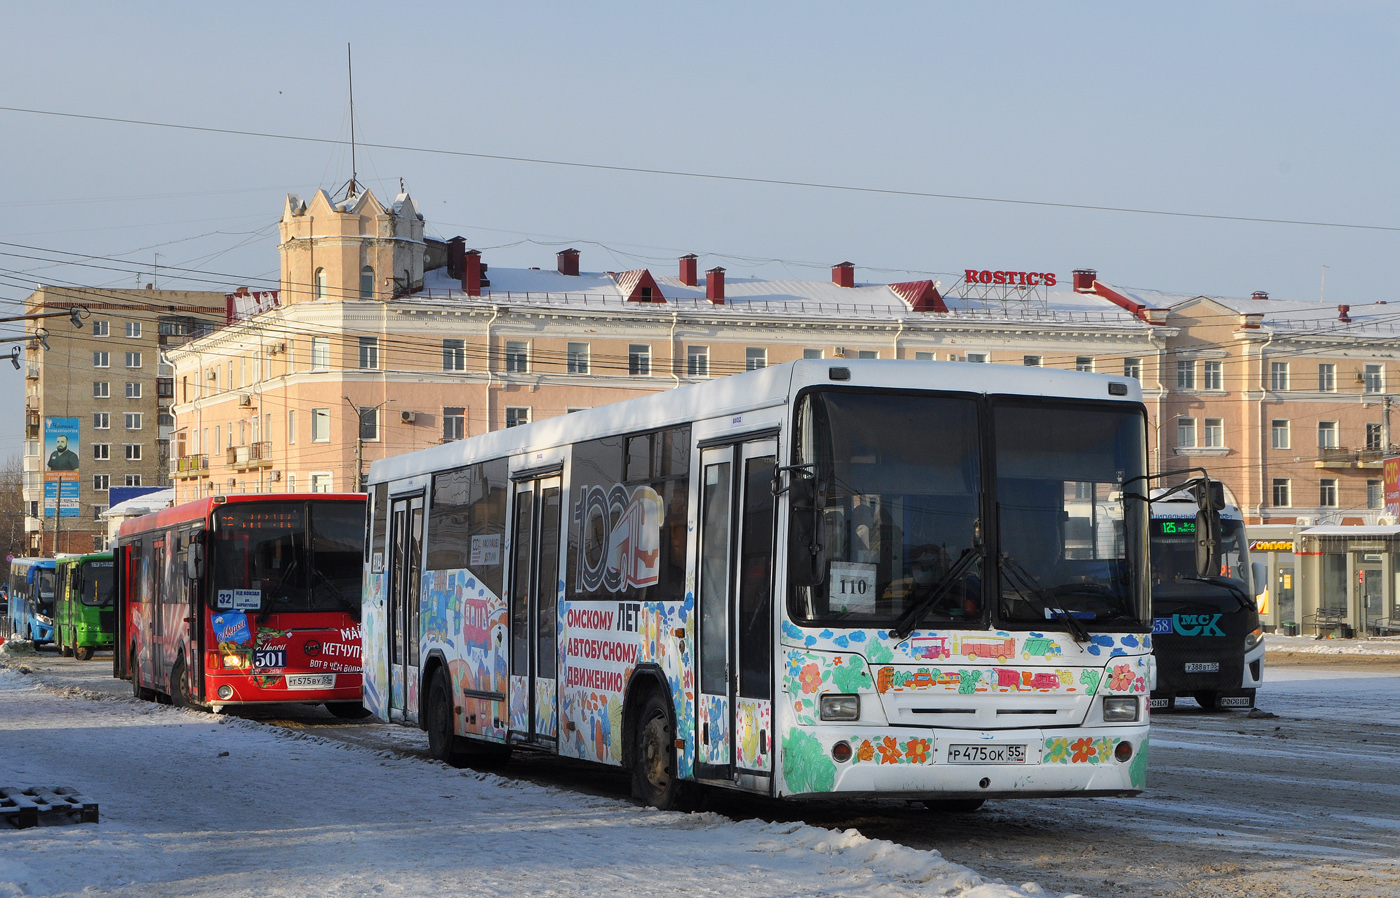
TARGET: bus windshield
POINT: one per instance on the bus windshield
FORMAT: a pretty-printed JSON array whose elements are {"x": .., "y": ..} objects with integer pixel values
[
  {"x": 44, "y": 580},
  {"x": 97, "y": 584},
  {"x": 296, "y": 556},
  {"x": 1072, "y": 540},
  {"x": 901, "y": 476},
  {"x": 1174, "y": 560}
]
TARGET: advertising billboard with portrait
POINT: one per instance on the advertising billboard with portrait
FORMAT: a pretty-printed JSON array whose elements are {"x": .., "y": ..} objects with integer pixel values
[{"x": 62, "y": 451}]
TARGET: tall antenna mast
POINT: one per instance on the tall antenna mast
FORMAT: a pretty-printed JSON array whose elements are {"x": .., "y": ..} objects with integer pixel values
[{"x": 350, "y": 67}]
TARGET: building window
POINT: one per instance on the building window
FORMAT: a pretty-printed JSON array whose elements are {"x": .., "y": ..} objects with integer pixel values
[
  {"x": 1215, "y": 433},
  {"x": 320, "y": 292},
  {"x": 101, "y": 421},
  {"x": 1186, "y": 433},
  {"x": 1327, "y": 434},
  {"x": 1283, "y": 493},
  {"x": 923, "y": 356},
  {"x": 100, "y": 482},
  {"x": 812, "y": 354},
  {"x": 369, "y": 423},
  {"x": 517, "y": 356},
  {"x": 1132, "y": 368},
  {"x": 1375, "y": 436},
  {"x": 133, "y": 329},
  {"x": 100, "y": 360},
  {"x": 291, "y": 425},
  {"x": 132, "y": 479},
  {"x": 578, "y": 358},
  {"x": 1327, "y": 377},
  {"x": 1327, "y": 493},
  {"x": 321, "y": 483},
  {"x": 97, "y": 512},
  {"x": 369, "y": 352},
  {"x": 165, "y": 388},
  {"x": 1282, "y": 437},
  {"x": 133, "y": 390},
  {"x": 697, "y": 361},
  {"x": 101, "y": 389},
  {"x": 454, "y": 355},
  {"x": 1031, "y": 361},
  {"x": 320, "y": 353},
  {"x": 1373, "y": 379},
  {"x": 517, "y": 415},
  {"x": 868, "y": 354},
  {"x": 979, "y": 358},
  {"x": 101, "y": 328},
  {"x": 133, "y": 420},
  {"x": 101, "y": 451},
  {"x": 133, "y": 360},
  {"x": 1084, "y": 363},
  {"x": 1186, "y": 375},
  {"x": 639, "y": 360},
  {"x": 1375, "y": 494},
  {"x": 1278, "y": 376},
  {"x": 454, "y": 424},
  {"x": 320, "y": 425},
  {"x": 1212, "y": 373},
  {"x": 133, "y": 451},
  {"x": 755, "y": 357},
  {"x": 367, "y": 283}
]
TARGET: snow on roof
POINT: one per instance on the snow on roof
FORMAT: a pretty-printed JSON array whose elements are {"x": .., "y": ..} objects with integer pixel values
[
  {"x": 1279, "y": 313},
  {"x": 141, "y": 504},
  {"x": 1352, "y": 530},
  {"x": 749, "y": 295}
]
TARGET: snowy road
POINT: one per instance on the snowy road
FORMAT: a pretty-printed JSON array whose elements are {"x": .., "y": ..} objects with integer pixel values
[{"x": 1304, "y": 804}]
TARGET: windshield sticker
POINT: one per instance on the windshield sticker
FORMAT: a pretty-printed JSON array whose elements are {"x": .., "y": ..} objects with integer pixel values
[
  {"x": 240, "y": 599},
  {"x": 853, "y": 587},
  {"x": 486, "y": 550},
  {"x": 376, "y": 565},
  {"x": 232, "y": 629}
]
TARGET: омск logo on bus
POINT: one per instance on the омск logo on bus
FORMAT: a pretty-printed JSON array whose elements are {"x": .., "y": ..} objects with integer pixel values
[
  {"x": 631, "y": 554},
  {"x": 1188, "y": 625}
]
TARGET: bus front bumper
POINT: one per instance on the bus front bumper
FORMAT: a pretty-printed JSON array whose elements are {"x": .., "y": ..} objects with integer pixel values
[{"x": 918, "y": 763}]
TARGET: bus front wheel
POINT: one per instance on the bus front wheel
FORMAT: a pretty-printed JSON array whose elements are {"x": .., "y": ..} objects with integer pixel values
[
  {"x": 654, "y": 778},
  {"x": 136, "y": 689},
  {"x": 82, "y": 652},
  {"x": 179, "y": 686}
]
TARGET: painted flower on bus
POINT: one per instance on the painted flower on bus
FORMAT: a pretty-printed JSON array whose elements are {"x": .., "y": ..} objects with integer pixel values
[
  {"x": 889, "y": 750},
  {"x": 810, "y": 678},
  {"x": 1121, "y": 679},
  {"x": 1083, "y": 750},
  {"x": 916, "y": 750}
]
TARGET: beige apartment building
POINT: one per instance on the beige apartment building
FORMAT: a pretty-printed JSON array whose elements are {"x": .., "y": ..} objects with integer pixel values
[{"x": 97, "y": 403}]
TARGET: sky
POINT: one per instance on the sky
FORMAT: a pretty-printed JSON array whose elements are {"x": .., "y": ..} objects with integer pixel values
[{"x": 1276, "y": 111}]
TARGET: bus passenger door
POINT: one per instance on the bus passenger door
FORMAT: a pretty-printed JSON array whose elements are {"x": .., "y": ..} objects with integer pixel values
[
  {"x": 405, "y": 582},
  {"x": 534, "y": 593},
  {"x": 735, "y": 714}
]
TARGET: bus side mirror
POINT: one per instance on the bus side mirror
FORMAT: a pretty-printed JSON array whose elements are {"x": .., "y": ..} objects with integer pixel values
[
  {"x": 194, "y": 561},
  {"x": 1207, "y": 529},
  {"x": 806, "y": 552}
]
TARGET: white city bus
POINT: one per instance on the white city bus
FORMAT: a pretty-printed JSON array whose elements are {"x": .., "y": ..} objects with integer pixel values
[{"x": 878, "y": 578}]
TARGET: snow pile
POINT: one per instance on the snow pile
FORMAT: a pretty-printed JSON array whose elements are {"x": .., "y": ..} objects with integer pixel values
[
  {"x": 1373, "y": 646},
  {"x": 194, "y": 804},
  {"x": 15, "y": 647}
]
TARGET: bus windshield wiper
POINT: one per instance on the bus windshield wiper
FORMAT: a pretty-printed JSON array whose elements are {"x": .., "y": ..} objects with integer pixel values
[
  {"x": 910, "y": 619},
  {"x": 1035, "y": 600},
  {"x": 1225, "y": 583}
]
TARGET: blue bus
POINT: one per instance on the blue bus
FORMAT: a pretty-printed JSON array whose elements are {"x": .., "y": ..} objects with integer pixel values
[{"x": 32, "y": 582}]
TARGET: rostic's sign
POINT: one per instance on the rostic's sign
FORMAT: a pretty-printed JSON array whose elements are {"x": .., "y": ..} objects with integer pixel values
[
  {"x": 1390, "y": 479},
  {"x": 1010, "y": 278}
]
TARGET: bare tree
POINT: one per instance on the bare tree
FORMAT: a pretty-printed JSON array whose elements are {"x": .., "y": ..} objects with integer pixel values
[{"x": 12, "y": 507}]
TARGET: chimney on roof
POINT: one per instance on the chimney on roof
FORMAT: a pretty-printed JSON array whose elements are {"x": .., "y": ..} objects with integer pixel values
[
  {"x": 690, "y": 265},
  {"x": 1084, "y": 280},
  {"x": 241, "y": 291},
  {"x": 471, "y": 272},
  {"x": 455, "y": 247},
  {"x": 1259, "y": 295},
  {"x": 714, "y": 285},
  {"x": 1342, "y": 314},
  {"x": 844, "y": 274},
  {"x": 568, "y": 262}
]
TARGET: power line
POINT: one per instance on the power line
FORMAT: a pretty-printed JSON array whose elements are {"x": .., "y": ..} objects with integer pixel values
[{"x": 711, "y": 176}]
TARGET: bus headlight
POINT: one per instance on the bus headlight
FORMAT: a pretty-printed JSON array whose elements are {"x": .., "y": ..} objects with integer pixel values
[
  {"x": 1253, "y": 639},
  {"x": 840, "y": 707},
  {"x": 235, "y": 661},
  {"x": 1120, "y": 709},
  {"x": 44, "y": 619}
]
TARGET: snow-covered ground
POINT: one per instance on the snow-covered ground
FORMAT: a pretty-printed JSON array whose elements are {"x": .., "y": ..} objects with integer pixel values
[{"x": 194, "y": 804}]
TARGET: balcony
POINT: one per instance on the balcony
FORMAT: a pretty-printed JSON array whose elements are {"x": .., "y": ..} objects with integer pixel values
[
  {"x": 1334, "y": 457},
  {"x": 255, "y": 455},
  {"x": 188, "y": 466},
  {"x": 1371, "y": 458}
]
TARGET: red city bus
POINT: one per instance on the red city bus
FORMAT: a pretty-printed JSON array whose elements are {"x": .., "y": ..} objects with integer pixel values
[{"x": 238, "y": 600}]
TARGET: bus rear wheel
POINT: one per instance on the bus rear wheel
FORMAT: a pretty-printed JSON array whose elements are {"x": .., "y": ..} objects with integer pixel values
[
  {"x": 82, "y": 652},
  {"x": 437, "y": 720},
  {"x": 136, "y": 690},
  {"x": 654, "y": 778}
]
